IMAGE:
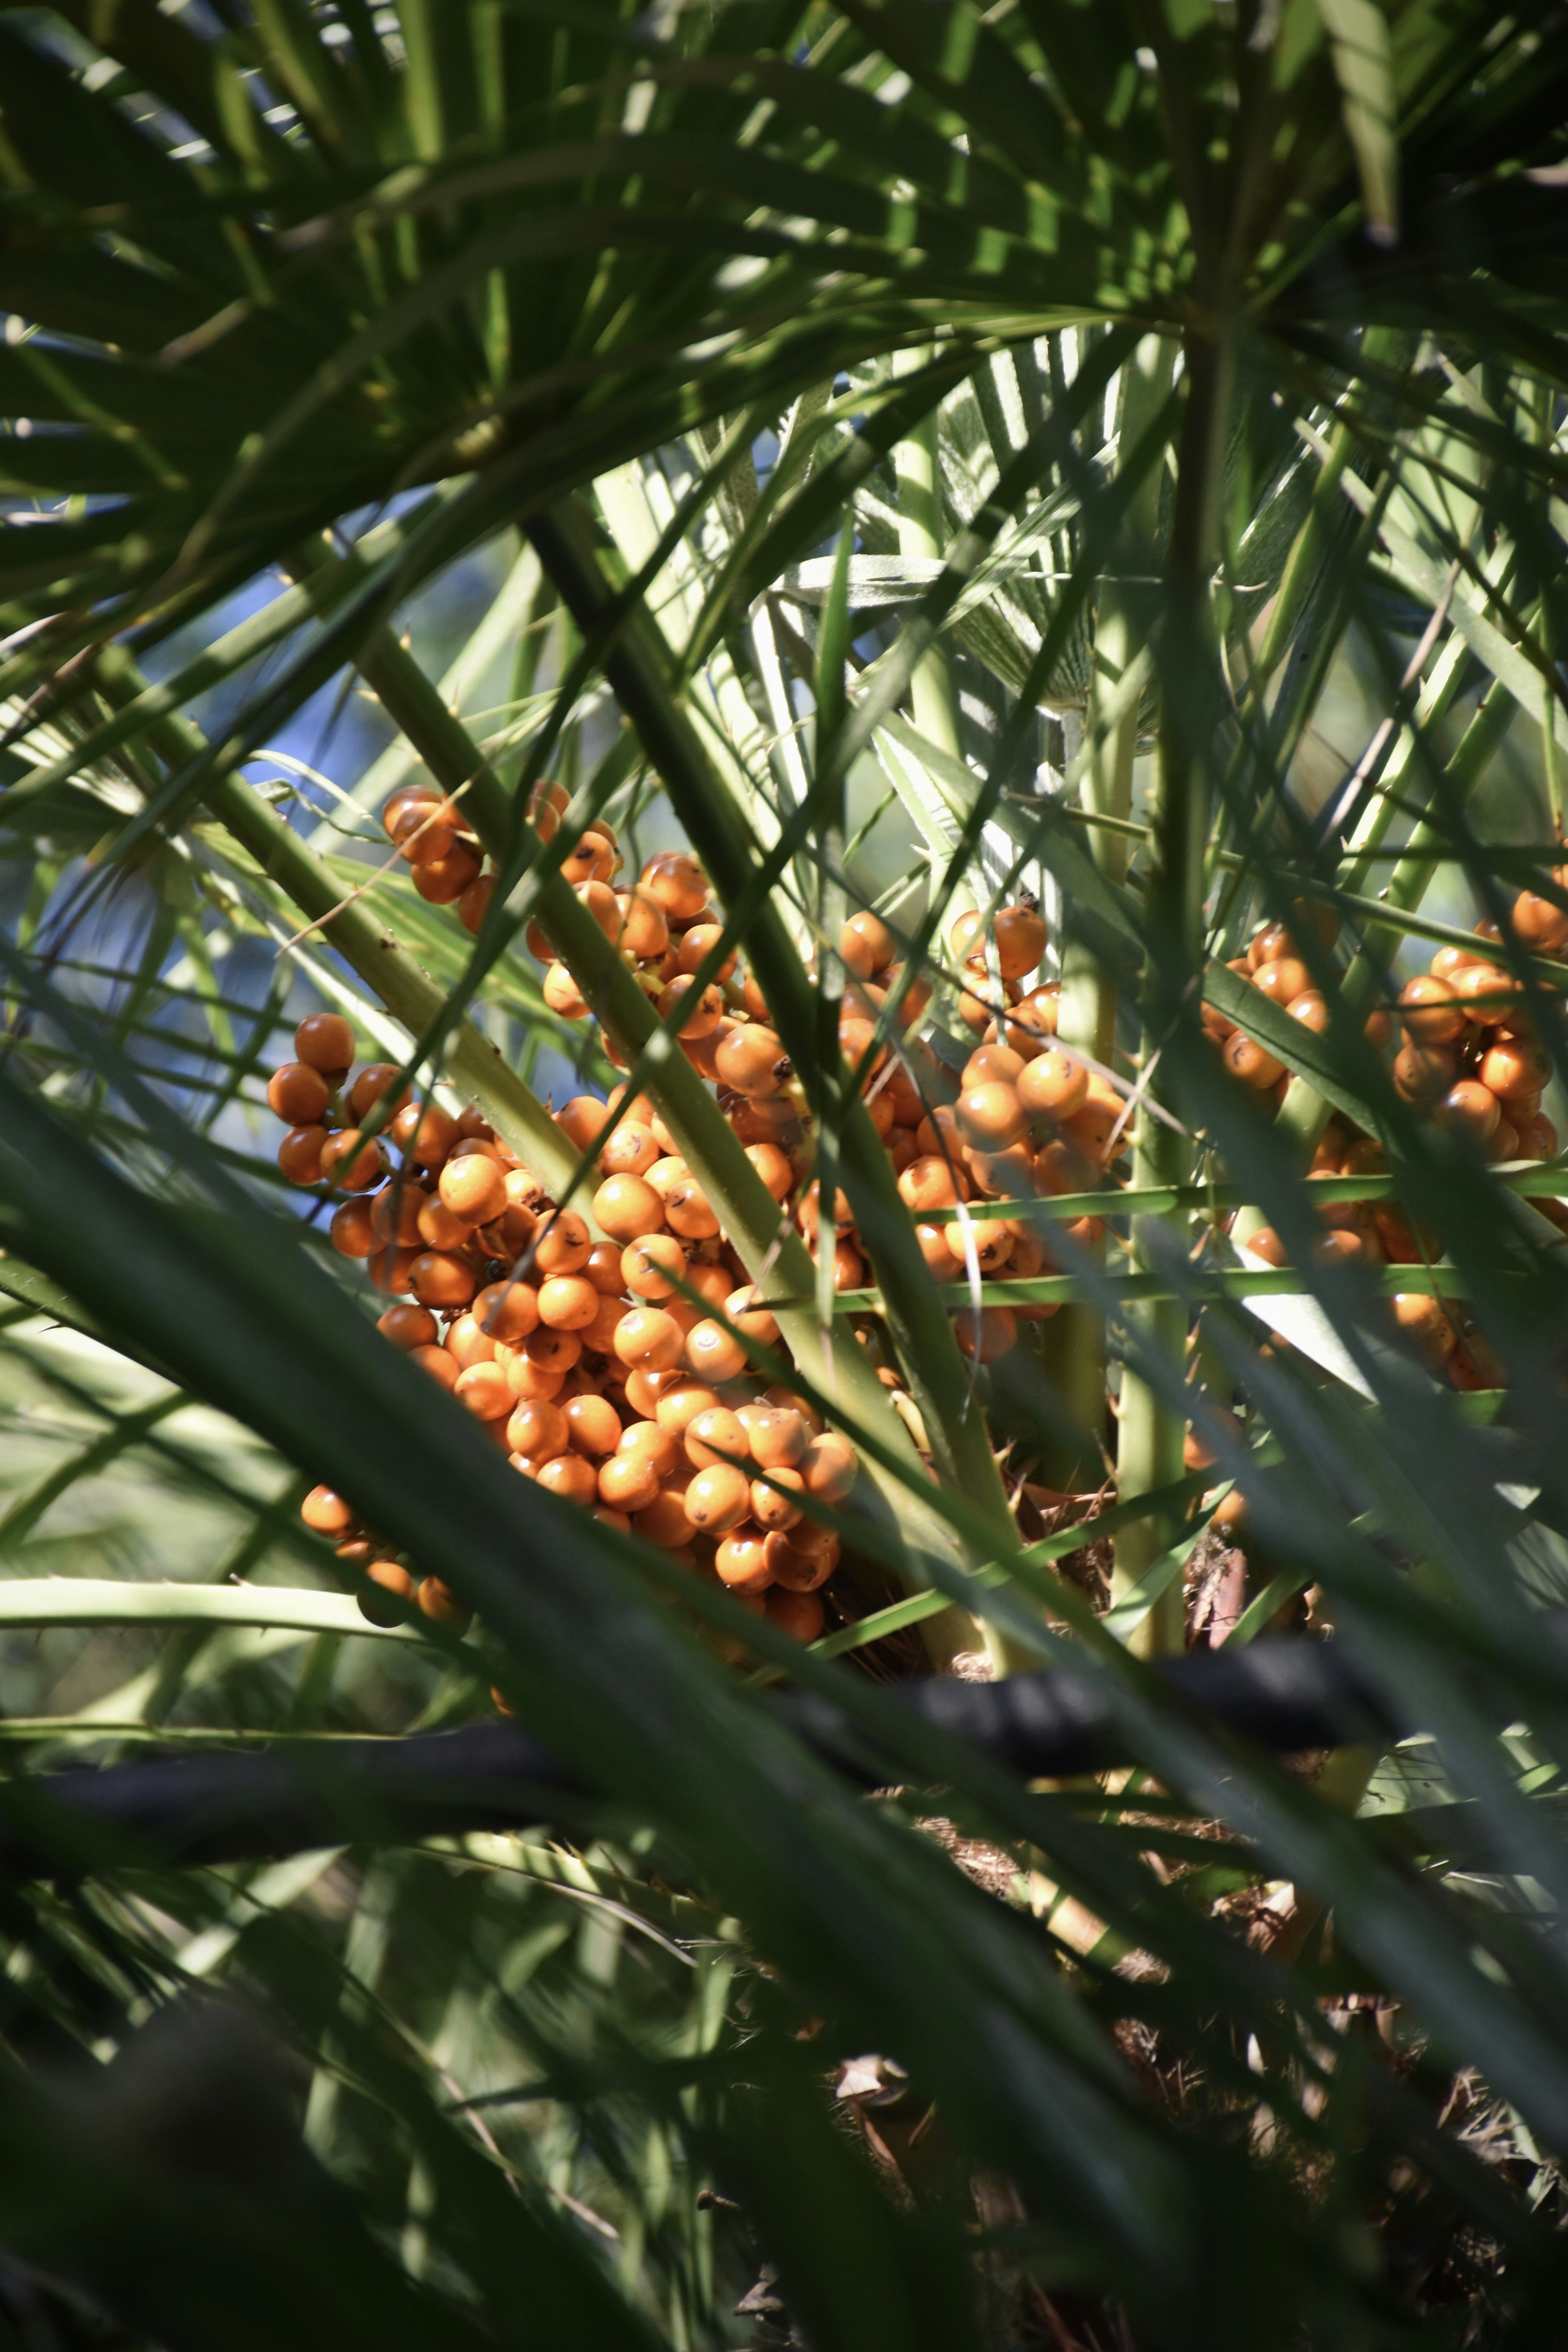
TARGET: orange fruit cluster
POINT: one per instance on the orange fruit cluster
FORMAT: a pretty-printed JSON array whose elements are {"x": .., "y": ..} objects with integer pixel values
[
  {"x": 446, "y": 1228},
  {"x": 1273, "y": 965},
  {"x": 1031, "y": 1118},
  {"x": 1470, "y": 1055},
  {"x": 597, "y": 1373},
  {"x": 1006, "y": 1137},
  {"x": 393, "y": 1589}
]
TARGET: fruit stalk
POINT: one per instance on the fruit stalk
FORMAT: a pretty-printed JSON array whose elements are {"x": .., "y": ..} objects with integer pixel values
[{"x": 917, "y": 468}]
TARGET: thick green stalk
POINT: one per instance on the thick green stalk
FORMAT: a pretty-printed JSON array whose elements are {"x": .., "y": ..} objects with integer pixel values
[
  {"x": 97, "y": 1601},
  {"x": 1324, "y": 517},
  {"x": 357, "y": 931},
  {"x": 638, "y": 671},
  {"x": 767, "y": 1244},
  {"x": 830, "y": 907},
  {"x": 1075, "y": 1340},
  {"x": 933, "y": 688},
  {"x": 1149, "y": 1434},
  {"x": 1309, "y": 554},
  {"x": 637, "y": 508},
  {"x": 1121, "y": 631},
  {"x": 1545, "y": 423},
  {"x": 918, "y": 466},
  {"x": 1395, "y": 790}
]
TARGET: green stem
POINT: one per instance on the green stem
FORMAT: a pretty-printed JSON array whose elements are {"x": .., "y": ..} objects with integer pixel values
[
  {"x": 933, "y": 687},
  {"x": 1285, "y": 724},
  {"x": 1121, "y": 632},
  {"x": 1545, "y": 402},
  {"x": 832, "y": 910},
  {"x": 916, "y": 464},
  {"x": 1309, "y": 553},
  {"x": 94, "y": 1600},
  {"x": 1074, "y": 1348},
  {"x": 1149, "y": 1434}
]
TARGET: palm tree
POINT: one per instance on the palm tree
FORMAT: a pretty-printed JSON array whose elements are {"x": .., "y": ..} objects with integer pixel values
[{"x": 943, "y": 467}]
